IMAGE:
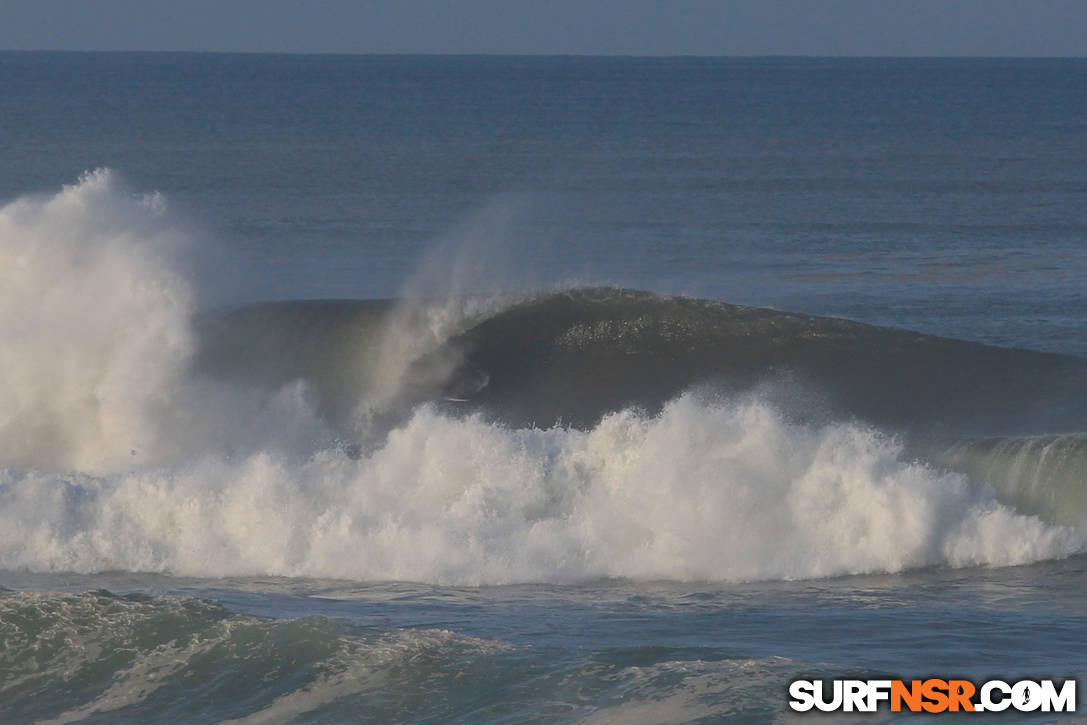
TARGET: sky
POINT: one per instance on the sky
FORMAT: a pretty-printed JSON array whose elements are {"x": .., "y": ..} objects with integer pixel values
[{"x": 580, "y": 27}]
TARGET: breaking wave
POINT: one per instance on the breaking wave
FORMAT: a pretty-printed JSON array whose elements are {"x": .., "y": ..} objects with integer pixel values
[
  {"x": 476, "y": 441},
  {"x": 573, "y": 356},
  {"x": 1043, "y": 475}
]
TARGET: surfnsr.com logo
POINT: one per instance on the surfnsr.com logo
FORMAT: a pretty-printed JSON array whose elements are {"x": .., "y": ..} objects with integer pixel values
[{"x": 932, "y": 695}]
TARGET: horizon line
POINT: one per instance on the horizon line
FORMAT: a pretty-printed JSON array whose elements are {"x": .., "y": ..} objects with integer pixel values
[{"x": 459, "y": 54}]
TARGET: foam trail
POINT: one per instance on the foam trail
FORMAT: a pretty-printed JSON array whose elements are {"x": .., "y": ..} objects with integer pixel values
[{"x": 702, "y": 492}]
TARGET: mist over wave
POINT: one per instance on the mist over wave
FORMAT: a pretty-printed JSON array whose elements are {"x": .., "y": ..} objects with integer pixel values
[
  {"x": 95, "y": 318},
  {"x": 95, "y": 326},
  {"x": 387, "y": 440}
]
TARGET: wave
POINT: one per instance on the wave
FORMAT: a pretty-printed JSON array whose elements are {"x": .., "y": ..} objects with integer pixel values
[
  {"x": 1042, "y": 475},
  {"x": 69, "y": 658},
  {"x": 360, "y": 357},
  {"x": 572, "y": 356},
  {"x": 100, "y": 657},
  {"x": 563, "y": 436}
]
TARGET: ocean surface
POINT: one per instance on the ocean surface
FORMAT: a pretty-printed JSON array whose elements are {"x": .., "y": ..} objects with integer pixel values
[{"x": 346, "y": 389}]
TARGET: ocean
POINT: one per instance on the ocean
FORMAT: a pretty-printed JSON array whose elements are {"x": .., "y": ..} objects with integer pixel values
[{"x": 456, "y": 389}]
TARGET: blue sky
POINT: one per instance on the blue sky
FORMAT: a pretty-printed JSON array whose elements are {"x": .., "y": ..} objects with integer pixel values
[{"x": 608, "y": 27}]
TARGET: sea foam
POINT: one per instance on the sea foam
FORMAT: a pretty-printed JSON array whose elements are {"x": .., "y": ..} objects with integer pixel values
[{"x": 700, "y": 492}]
